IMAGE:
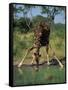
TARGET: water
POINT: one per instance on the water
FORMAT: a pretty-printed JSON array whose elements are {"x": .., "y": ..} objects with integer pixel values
[{"x": 46, "y": 75}]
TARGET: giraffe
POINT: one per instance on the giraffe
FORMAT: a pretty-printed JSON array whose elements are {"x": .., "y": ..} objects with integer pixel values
[{"x": 42, "y": 35}]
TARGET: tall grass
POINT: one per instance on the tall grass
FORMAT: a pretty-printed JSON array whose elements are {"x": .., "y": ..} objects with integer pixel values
[{"x": 22, "y": 41}]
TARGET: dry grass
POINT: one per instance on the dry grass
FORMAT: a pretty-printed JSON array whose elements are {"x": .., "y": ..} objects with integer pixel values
[{"x": 24, "y": 41}]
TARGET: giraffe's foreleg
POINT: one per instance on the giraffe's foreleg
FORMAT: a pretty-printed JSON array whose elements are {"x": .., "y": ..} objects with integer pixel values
[
  {"x": 36, "y": 57},
  {"x": 20, "y": 64},
  {"x": 28, "y": 51},
  {"x": 48, "y": 63},
  {"x": 47, "y": 48},
  {"x": 60, "y": 64},
  {"x": 35, "y": 54},
  {"x": 33, "y": 59}
]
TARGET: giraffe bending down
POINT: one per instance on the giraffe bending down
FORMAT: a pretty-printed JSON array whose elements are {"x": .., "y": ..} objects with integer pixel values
[{"x": 41, "y": 33}]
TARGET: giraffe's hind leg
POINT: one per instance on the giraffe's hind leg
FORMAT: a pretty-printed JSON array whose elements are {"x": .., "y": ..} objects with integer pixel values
[
  {"x": 47, "y": 48},
  {"x": 36, "y": 57}
]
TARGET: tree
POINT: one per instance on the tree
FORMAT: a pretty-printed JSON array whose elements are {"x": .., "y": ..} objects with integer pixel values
[
  {"x": 51, "y": 12},
  {"x": 38, "y": 18},
  {"x": 20, "y": 24},
  {"x": 25, "y": 9},
  {"x": 15, "y": 11}
]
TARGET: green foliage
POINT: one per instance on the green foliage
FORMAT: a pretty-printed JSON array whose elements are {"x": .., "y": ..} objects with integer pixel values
[
  {"x": 21, "y": 25},
  {"x": 38, "y": 18}
]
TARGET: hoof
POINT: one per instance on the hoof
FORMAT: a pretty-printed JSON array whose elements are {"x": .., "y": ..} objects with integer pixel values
[
  {"x": 61, "y": 67},
  {"x": 31, "y": 63},
  {"x": 48, "y": 63},
  {"x": 19, "y": 65}
]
